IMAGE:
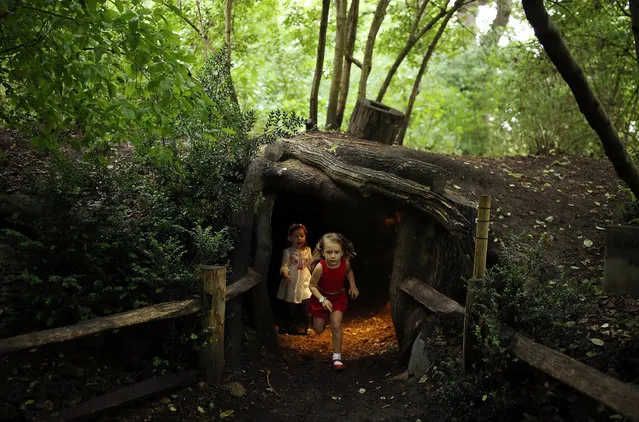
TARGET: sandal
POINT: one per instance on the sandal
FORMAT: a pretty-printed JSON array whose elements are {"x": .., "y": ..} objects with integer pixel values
[{"x": 338, "y": 365}]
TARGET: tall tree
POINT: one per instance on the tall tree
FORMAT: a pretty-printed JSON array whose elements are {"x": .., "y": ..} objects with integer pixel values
[
  {"x": 502, "y": 17},
  {"x": 346, "y": 72},
  {"x": 422, "y": 69},
  {"x": 367, "y": 63},
  {"x": 319, "y": 64},
  {"x": 413, "y": 37},
  {"x": 228, "y": 28},
  {"x": 634, "y": 17},
  {"x": 552, "y": 41},
  {"x": 338, "y": 63}
]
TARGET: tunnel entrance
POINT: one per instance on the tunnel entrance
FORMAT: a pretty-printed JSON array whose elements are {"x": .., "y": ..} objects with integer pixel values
[
  {"x": 390, "y": 202},
  {"x": 371, "y": 228}
]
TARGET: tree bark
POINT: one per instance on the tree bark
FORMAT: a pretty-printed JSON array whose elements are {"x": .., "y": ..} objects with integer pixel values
[
  {"x": 346, "y": 72},
  {"x": 422, "y": 70},
  {"x": 405, "y": 312},
  {"x": 589, "y": 105},
  {"x": 228, "y": 26},
  {"x": 338, "y": 63},
  {"x": 206, "y": 44},
  {"x": 264, "y": 321},
  {"x": 296, "y": 177},
  {"x": 410, "y": 43},
  {"x": 243, "y": 220},
  {"x": 468, "y": 13},
  {"x": 375, "y": 122},
  {"x": 370, "y": 155},
  {"x": 504, "y": 9},
  {"x": 319, "y": 64},
  {"x": 367, "y": 182},
  {"x": 634, "y": 18},
  {"x": 367, "y": 62}
]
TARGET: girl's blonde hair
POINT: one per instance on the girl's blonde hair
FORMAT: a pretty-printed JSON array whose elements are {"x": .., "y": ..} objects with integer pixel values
[{"x": 347, "y": 247}]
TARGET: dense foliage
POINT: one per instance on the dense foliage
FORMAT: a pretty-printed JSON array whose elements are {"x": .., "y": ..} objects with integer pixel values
[{"x": 127, "y": 228}]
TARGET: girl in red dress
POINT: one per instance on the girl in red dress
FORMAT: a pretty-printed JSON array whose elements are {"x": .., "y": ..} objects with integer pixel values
[{"x": 329, "y": 297}]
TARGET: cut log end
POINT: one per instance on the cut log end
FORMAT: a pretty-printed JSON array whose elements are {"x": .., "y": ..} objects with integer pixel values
[{"x": 376, "y": 122}]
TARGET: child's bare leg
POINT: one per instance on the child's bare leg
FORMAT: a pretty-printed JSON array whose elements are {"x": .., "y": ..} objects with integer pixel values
[
  {"x": 336, "y": 330},
  {"x": 319, "y": 325}
]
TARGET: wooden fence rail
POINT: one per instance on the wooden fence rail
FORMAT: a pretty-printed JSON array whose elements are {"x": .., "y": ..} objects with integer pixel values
[
  {"x": 124, "y": 319},
  {"x": 97, "y": 325},
  {"x": 211, "y": 305},
  {"x": 619, "y": 396}
]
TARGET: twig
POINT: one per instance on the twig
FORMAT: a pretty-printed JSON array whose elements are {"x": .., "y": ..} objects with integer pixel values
[{"x": 268, "y": 381}]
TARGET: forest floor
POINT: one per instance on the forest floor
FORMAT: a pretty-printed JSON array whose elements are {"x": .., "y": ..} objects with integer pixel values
[{"x": 572, "y": 199}]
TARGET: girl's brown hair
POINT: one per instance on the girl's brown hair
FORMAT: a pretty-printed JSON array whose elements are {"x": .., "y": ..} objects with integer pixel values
[
  {"x": 296, "y": 226},
  {"x": 347, "y": 247}
]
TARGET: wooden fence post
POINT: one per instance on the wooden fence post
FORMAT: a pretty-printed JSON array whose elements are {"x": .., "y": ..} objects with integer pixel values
[
  {"x": 479, "y": 271},
  {"x": 213, "y": 280}
]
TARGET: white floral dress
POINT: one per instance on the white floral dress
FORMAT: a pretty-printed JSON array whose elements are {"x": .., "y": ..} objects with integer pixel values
[{"x": 297, "y": 261}]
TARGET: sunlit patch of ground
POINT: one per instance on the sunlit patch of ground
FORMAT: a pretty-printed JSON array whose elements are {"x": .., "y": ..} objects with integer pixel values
[{"x": 365, "y": 335}]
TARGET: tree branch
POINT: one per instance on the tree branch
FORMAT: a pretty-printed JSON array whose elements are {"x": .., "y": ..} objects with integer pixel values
[
  {"x": 554, "y": 45},
  {"x": 354, "y": 61}
]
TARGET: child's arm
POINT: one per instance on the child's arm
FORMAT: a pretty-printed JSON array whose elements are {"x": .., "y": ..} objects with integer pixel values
[
  {"x": 352, "y": 289},
  {"x": 315, "y": 278},
  {"x": 286, "y": 257}
]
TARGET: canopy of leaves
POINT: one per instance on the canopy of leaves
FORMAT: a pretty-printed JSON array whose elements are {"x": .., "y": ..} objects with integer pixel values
[{"x": 98, "y": 68}]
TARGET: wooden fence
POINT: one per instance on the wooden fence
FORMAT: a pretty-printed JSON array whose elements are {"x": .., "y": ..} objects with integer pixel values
[
  {"x": 621, "y": 397},
  {"x": 212, "y": 304}
]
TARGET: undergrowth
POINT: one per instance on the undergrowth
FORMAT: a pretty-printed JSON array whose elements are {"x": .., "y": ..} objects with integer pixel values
[
  {"x": 519, "y": 294},
  {"x": 126, "y": 228}
]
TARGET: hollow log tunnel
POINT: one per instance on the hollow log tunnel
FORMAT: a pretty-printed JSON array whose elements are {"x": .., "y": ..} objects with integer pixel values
[{"x": 377, "y": 196}]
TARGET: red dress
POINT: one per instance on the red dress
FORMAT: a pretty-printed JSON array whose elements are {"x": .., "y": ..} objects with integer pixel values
[{"x": 332, "y": 286}]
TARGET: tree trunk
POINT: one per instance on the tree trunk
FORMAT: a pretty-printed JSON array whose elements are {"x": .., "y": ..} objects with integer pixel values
[
  {"x": 319, "y": 64},
  {"x": 468, "y": 14},
  {"x": 228, "y": 26},
  {"x": 589, "y": 105},
  {"x": 375, "y": 122},
  {"x": 634, "y": 17},
  {"x": 338, "y": 63},
  {"x": 497, "y": 27},
  {"x": 206, "y": 44},
  {"x": 346, "y": 72},
  {"x": 422, "y": 70},
  {"x": 410, "y": 43},
  {"x": 367, "y": 62}
]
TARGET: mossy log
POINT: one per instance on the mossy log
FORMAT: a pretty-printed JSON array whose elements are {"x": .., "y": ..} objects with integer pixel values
[
  {"x": 368, "y": 181},
  {"x": 372, "y": 156}
]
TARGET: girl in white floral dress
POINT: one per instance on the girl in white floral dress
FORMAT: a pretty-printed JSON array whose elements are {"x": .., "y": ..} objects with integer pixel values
[{"x": 294, "y": 287}]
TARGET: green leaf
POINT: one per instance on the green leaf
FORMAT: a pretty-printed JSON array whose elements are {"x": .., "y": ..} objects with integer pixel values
[
  {"x": 227, "y": 413},
  {"x": 597, "y": 341}
]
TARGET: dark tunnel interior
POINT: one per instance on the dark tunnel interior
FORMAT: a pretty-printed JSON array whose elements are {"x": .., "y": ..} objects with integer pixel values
[{"x": 371, "y": 228}]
